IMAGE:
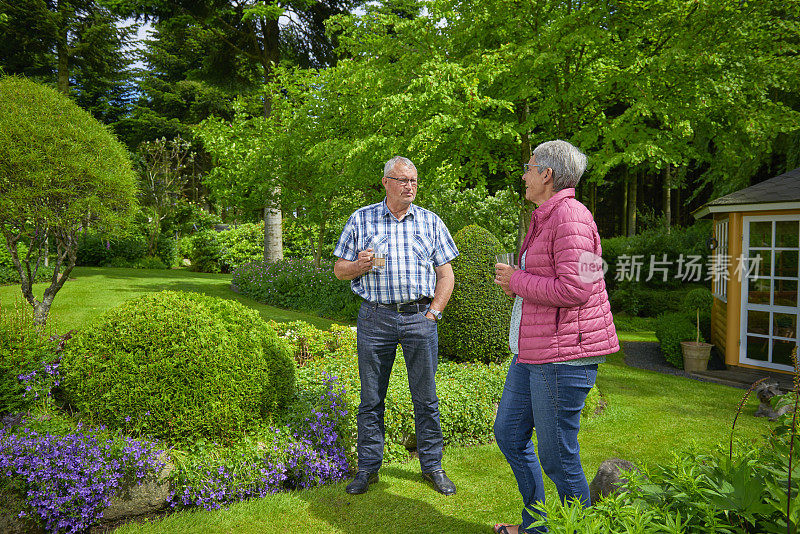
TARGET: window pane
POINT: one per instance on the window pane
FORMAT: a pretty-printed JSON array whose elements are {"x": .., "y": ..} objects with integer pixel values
[
  {"x": 786, "y": 263},
  {"x": 757, "y": 348},
  {"x": 761, "y": 234},
  {"x": 782, "y": 352},
  {"x": 758, "y": 291},
  {"x": 785, "y": 324},
  {"x": 786, "y": 233},
  {"x": 786, "y": 293},
  {"x": 757, "y": 264},
  {"x": 757, "y": 322}
]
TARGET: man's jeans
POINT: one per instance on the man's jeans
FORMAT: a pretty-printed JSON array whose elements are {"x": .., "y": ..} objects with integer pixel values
[
  {"x": 379, "y": 331},
  {"x": 553, "y": 395}
]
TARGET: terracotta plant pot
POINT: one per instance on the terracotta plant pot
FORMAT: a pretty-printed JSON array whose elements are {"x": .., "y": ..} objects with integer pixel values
[{"x": 695, "y": 355}]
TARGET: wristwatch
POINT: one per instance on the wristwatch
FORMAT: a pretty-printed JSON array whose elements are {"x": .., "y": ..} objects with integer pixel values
[{"x": 436, "y": 314}]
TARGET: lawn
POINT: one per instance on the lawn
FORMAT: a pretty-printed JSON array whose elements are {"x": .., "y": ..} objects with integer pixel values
[{"x": 90, "y": 291}]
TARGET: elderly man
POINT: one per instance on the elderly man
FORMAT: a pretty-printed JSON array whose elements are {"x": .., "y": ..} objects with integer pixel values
[{"x": 404, "y": 295}]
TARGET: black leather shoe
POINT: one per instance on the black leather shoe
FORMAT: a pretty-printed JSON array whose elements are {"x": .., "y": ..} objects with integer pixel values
[
  {"x": 361, "y": 482},
  {"x": 440, "y": 482}
]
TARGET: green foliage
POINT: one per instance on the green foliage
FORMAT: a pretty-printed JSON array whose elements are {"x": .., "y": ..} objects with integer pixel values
[
  {"x": 467, "y": 393},
  {"x": 60, "y": 171},
  {"x": 179, "y": 366},
  {"x": 475, "y": 324},
  {"x": 656, "y": 242},
  {"x": 23, "y": 350},
  {"x": 699, "y": 298},
  {"x": 671, "y": 329},
  {"x": 215, "y": 252},
  {"x": 98, "y": 250},
  {"x": 296, "y": 284},
  {"x": 698, "y": 491}
]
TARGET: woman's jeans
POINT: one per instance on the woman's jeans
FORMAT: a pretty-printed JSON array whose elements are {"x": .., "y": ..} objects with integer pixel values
[{"x": 549, "y": 398}]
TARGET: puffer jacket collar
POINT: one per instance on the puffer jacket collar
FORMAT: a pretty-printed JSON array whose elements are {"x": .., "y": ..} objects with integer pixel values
[{"x": 541, "y": 213}]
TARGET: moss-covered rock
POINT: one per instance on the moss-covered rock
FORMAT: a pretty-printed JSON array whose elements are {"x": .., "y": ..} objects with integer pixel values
[{"x": 475, "y": 325}]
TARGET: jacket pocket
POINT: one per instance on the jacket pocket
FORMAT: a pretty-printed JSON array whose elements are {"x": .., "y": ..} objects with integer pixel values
[{"x": 558, "y": 319}]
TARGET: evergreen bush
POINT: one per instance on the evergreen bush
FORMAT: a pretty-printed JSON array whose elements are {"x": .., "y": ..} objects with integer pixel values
[
  {"x": 671, "y": 329},
  {"x": 221, "y": 252},
  {"x": 178, "y": 366},
  {"x": 475, "y": 324}
]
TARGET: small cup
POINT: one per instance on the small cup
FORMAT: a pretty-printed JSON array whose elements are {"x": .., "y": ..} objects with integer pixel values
[
  {"x": 379, "y": 261},
  {"x": 506, "y": 258}
]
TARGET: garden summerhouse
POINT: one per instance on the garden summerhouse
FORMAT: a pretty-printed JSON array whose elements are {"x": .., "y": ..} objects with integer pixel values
[{"x": 756, "y": 244}]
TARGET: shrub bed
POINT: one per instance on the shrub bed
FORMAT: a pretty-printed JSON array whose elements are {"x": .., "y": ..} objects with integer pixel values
[
  {"x": 220, "y": 252},
  {"x": 467, "y": 394},
  {"x": 675, "y": 327},
  {"x": 178, "y": 366},
  {"x": 296, "y": 284}
]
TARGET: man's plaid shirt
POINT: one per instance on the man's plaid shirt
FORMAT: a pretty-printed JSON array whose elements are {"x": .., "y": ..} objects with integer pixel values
[{"x": 414, "y": 245}]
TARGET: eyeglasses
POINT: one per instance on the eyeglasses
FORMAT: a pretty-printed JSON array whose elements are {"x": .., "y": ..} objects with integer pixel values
[
  {"x": 405, "y": 181},
  {"x": 527, "y": 166}
]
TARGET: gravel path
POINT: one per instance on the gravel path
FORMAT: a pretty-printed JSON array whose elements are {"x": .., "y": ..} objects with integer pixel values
[{"x": 647, "y": 355}]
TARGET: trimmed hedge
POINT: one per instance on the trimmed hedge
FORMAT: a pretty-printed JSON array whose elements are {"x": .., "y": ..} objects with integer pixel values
[
  {"x": 475, "y": 324},
  {"x": 179, "y": 366}
]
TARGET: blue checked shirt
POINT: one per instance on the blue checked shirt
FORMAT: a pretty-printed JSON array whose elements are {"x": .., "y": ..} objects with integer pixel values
[{"x": 414, "y": 246}]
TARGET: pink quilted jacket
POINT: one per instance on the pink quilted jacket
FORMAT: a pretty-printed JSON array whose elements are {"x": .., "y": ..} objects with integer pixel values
[{"x": 565, "y": 309}]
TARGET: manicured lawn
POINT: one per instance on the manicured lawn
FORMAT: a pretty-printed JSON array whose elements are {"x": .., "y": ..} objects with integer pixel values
[
  {"x": 90, "y": 291},
  {"x": 649, "y": 416}
]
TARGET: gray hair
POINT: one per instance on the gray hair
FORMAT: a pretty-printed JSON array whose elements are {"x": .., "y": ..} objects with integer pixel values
[
  {"x": 395, "y": 161},
  {"x": 566, "y": 161}
]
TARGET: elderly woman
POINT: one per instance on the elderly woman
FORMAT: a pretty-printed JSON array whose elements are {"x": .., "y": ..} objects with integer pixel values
[{"x": 561, "y": 329}]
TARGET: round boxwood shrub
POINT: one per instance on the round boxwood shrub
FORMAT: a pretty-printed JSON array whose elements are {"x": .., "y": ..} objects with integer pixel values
[
  {"x": 178, "y": 366},
  {"x": 699, "y": 298},
  {"x": 475, "y": 325},
  {"x": 671, "y": 329}
]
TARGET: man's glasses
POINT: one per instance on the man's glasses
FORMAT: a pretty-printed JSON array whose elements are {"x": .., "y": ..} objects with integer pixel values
[
  {"x": 405, "y": 181},
  {"x": 527, "y": 166}
]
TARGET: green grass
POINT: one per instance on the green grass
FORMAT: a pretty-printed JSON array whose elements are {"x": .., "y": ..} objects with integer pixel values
[
  {"x": 632, "y": 328},
  {"x": 648, "y": 417},
  {"x": 90, "y": 291}
]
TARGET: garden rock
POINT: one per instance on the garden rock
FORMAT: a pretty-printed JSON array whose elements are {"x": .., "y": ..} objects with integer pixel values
[
  {"x": 765, "y": 391},
  {"x": 10, "y": 522},
  {"x": 144, "y": 498},
  {"x": 608, "y": 479}
]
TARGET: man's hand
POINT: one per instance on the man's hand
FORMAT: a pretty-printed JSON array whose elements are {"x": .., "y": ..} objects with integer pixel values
[
  {"x": 502, "y": 277},
  {"x": 348, "y": 270},
  {"x": 364, "y": 260}
]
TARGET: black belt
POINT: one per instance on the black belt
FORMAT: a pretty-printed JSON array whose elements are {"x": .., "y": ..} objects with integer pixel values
[{"x": 414, "y": 306}]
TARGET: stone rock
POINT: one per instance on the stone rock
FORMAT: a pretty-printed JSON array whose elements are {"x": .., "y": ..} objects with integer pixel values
[
  {"x": 765, "y": 391},
  {"x": 608, "y": 480},
  {"x": 409, "y": 441},
  {"x": 144, "y": 498},
  {"x": 10, "y": 522},
  {"x": 186, "y": 262}
]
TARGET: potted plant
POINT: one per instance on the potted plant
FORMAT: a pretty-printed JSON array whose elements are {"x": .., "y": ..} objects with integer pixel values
[{"x": 696, "y": 353}]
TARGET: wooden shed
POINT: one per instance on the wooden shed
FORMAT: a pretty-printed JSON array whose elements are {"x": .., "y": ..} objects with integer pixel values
[{"x": 757, "y": 244}]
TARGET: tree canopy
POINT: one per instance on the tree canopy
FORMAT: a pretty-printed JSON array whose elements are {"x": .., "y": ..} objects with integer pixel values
[{"x": 61, "y": 171}]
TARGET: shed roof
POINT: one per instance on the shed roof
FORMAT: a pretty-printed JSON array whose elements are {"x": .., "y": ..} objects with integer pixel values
[{"x": 781, "y": 191}]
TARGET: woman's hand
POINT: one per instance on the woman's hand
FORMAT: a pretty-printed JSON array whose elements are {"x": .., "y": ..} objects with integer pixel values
[{"x": 502, "y": 277}]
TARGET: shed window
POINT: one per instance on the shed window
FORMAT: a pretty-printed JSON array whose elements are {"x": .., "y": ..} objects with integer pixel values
[{"x": 721, "y": 253}]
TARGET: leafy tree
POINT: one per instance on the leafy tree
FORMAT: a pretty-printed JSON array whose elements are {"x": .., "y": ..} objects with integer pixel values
[
  {"x": 164, "y": 168},
  {"x": 61, "y": 171},
  {"x": 248, "y": 43}
]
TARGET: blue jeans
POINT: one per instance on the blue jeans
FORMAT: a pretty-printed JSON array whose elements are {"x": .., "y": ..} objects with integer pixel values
[
  {"x": 379, "y": 331},
  {"x": 548, "y": 398}
]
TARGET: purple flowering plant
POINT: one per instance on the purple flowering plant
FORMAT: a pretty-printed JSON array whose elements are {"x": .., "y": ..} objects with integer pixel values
[
  {"x": 303, "y": 453},
  {"x": 67, "y": 480}
]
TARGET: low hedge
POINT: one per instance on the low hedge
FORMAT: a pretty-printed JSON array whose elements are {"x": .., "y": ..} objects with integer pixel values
[
  {"x": 296, "y": 284},
  {"x": 178, "y": 366}
]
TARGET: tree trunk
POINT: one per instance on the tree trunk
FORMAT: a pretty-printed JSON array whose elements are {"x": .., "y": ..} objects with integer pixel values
[
  {"x": 273, "y": 218},
  {"x": 667, "y": 203},
  {"x": 273, "y": 235},
  {"x": 623, "y": 226},
  {"x": 633, "y": 184},
  {"x": 593, "y": 197},
  {"x": 523, "y": 111},
  {"x": 62, "y": 48}
]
